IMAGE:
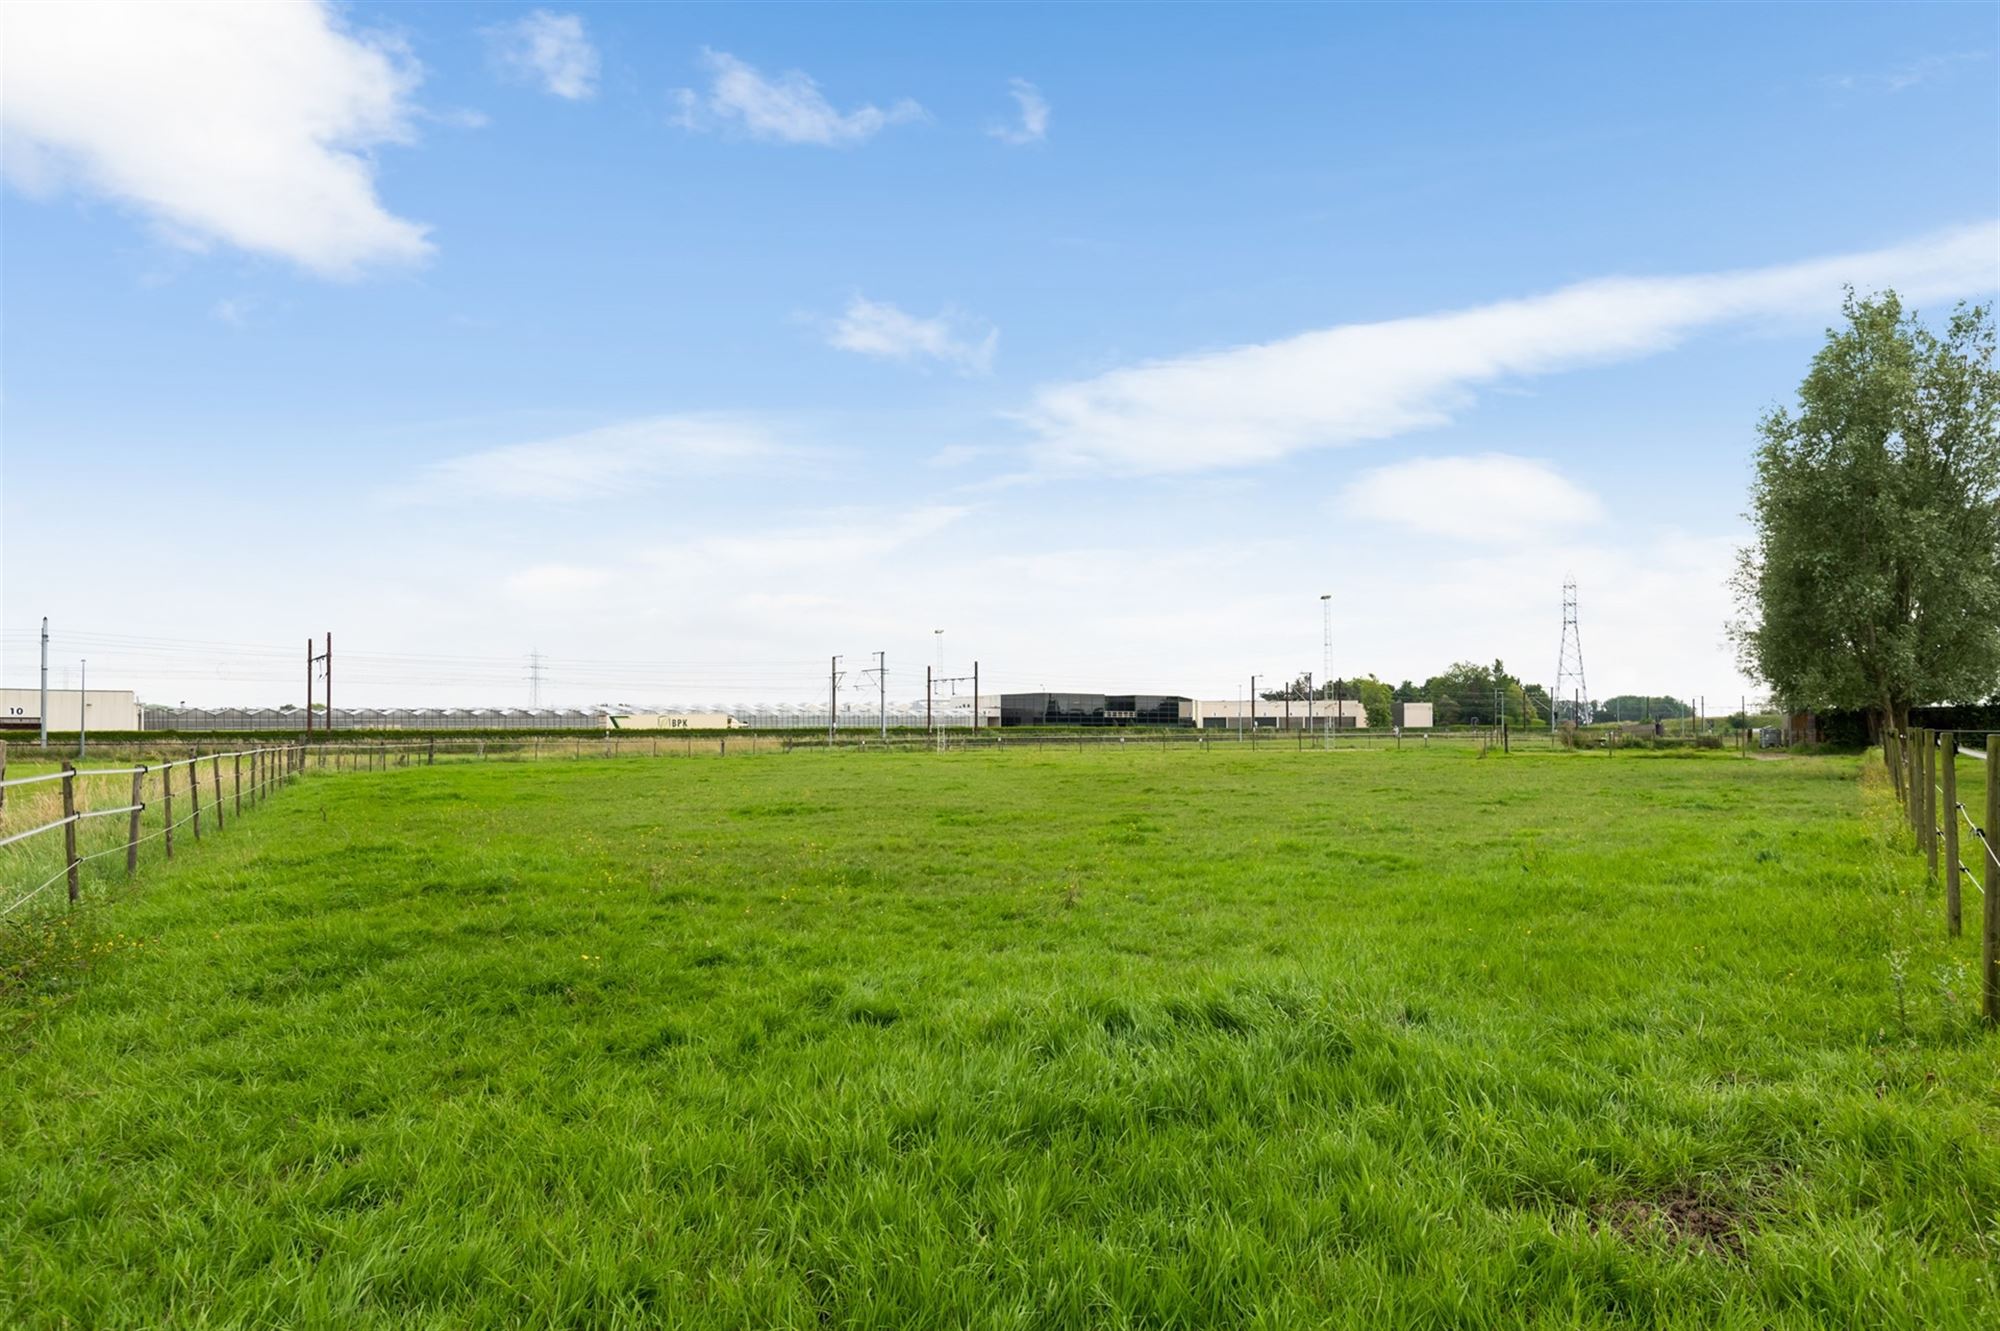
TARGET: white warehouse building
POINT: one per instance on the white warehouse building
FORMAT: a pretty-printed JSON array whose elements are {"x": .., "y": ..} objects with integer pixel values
[
  {"x": 107, "y": 709},
  {"x": 1227, "y": 715}
]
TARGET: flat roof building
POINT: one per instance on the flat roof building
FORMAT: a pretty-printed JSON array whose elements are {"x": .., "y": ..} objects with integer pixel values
[
  {"x": 1095, "y": 709},
  {"x": 108, "y": 709},
  {"x": 1298, "y": 714}
]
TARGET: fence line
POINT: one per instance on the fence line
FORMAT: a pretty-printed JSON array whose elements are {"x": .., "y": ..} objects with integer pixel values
[
  {"x": 1923, "y": 770},
  {"x": 271, "y": 766}
]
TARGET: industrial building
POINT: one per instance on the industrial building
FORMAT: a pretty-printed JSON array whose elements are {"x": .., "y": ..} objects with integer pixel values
[
  {"x": 1095, "y": 709},
  {"x": 105, "y": 709},
  {"x": 1269, "y": 714}
]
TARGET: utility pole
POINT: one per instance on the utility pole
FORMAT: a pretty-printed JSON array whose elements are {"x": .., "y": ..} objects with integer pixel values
[
  {"x": 535, "y": 678},
  {"x": 929, "y": 724},
  {"x": 1253, "y": 704},
  {"x": 1326, "y": 639},
  {"x": 45, "y": 681},
  {"x": 322, "y": 659},
  {"x": 83, "y": 709},
  {"x": 1309, "y": 702},
  {"x": 832, "y": 698},
  {"x": 882, "y": 695},
  {"x": 975, "y": 695}
]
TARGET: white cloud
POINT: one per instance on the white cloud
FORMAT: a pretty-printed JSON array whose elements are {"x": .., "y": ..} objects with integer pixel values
[
  {"x": 245, "y": 124},
  {"x": 1034, "y": 126},
  {"x": 789, "y": 108},
  {"x": 551, "y": 50},
  {"x": 877, "y": 328},
  {"x": 594, "y": 464},
  {"x": 1488, "y": 497},
  {"x": 1355, "y": 382},
  {"x": 232, "y": 310},
  {"x": 1910, "y": 74},
  {"x": 543, "y": 580},
  {"x": 840, "y": 543}
]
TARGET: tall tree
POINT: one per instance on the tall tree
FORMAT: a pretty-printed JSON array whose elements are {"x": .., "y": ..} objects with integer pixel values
[{"x": 1874, "y": 580}]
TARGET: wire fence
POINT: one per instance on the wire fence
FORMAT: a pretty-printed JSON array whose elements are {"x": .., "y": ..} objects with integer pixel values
[
  {"x": 69, "y": 825},
  {"x": 1938, "y": 798}
]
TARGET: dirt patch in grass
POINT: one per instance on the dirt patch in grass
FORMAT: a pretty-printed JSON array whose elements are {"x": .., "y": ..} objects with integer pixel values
[{"x": 1683, "y": 1218}]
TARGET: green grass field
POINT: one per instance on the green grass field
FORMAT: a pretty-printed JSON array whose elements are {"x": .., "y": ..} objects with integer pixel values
[{"x": 1112, "y": 1038}]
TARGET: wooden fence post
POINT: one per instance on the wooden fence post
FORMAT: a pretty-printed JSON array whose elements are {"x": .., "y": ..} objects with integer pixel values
[
  {"x": 69, "y": 826},
  {"x": 1990, "y": 945},
  {"x": 3, "y": 775},
  {"x": 1952, "y": 906},
  {"x": 1929, "y": 840},
  {"x": 194, "y": 793},
  {"x": 239, "y": 784},
  {"x": 138, "y": 806},
  {"x": 167, "y": 795},
  {"x": 215, "y": 764}
]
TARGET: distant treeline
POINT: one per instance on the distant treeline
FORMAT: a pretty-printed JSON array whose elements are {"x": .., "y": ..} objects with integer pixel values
[{"x": 1471, "y": 694}]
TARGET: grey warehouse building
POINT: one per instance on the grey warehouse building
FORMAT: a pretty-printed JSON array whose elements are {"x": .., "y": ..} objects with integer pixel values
[{"x": 1095, "y": 709}]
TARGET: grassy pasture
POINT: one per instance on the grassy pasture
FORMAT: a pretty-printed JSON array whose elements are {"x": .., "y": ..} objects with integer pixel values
[{"x": 1118, "y": 1038}]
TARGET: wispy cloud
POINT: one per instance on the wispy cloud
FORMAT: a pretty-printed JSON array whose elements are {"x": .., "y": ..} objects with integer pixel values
[
  {"x": 841, "y": 541},
  {"x": 1483, "y": 498},
  {"x": 1354, "y": 382},
  {"x": 248, "y": 125},
  {"x": 550, "y": 50},
  {"x": 544, "y": 580},
  {"x": 594, "y": 464},
  {"x": 232, "y": 310},
  {"x": 1911, "y": 73},
  {"x": 1033, "y": 126},
  {"x": 788, "y": 108},
  {"x": 836, "y": 549},
  {"x": 877, "y": 328}
]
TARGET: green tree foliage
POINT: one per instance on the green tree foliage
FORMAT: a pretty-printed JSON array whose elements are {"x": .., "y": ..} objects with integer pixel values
[
  {"x": 1376, "y": 697},
  {"x": 1643, "y": 707},
  {"x": 1467, "y": 690},
  {"x": 1874, "y": 579}
]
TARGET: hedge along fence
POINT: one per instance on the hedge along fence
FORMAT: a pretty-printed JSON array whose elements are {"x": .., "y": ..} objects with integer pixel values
[
  {"x": 66, "y": 825},
  {"x": 1949, "y": 831}
]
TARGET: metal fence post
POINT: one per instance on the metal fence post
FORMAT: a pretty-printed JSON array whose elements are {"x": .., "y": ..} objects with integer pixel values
[{"x": 69, "y": 825}]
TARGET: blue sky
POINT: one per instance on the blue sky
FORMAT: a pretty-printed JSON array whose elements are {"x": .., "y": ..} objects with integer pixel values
[{"x": 691, "y": 345}]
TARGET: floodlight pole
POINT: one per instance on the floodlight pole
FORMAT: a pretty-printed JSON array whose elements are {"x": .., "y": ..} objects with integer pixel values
[{"x": 45, "y": 681}]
